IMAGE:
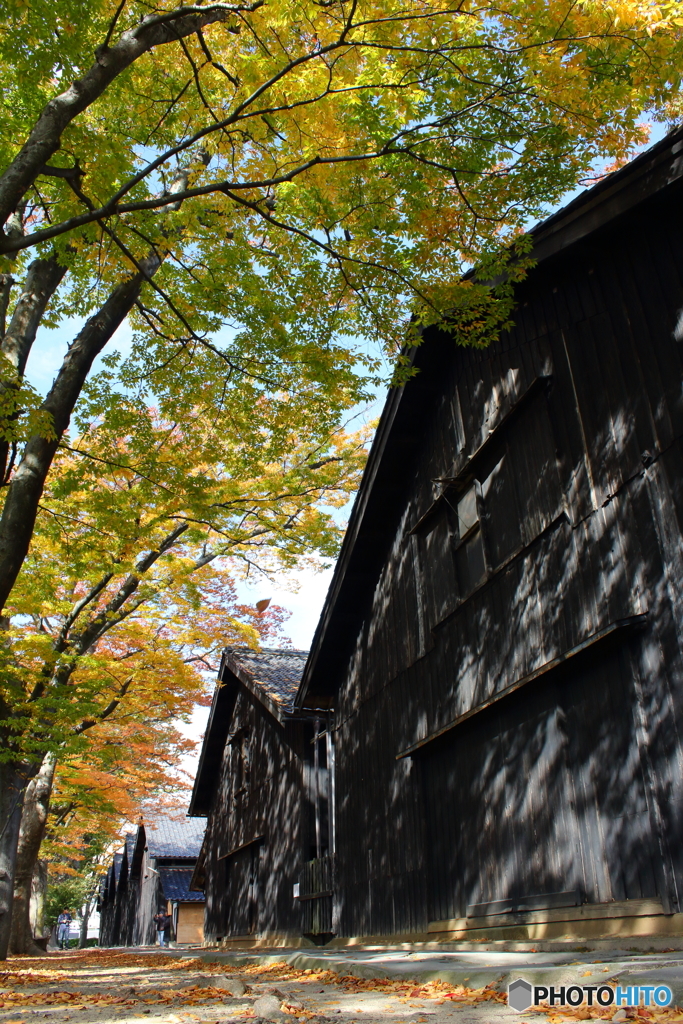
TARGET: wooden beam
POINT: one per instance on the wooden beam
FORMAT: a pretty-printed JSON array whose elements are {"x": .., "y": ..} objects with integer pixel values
[
  {"x": 614, "y": 627},
  {"x": 243, "y": 846}
]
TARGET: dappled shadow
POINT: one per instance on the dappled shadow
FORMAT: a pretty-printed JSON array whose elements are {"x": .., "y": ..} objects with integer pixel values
[
  {"x": 573, "y": 781},
  {"x": 261, "y": 829}
]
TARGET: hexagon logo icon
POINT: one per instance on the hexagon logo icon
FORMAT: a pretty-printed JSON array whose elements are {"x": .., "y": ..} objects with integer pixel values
[{"x": 520, "y": 995}]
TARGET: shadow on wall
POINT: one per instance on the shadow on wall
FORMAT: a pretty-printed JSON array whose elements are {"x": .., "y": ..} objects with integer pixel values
[{"x": 573, "y": 781}]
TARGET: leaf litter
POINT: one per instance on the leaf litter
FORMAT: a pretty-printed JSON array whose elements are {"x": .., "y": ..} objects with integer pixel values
[{"x": 53, "y": 972}]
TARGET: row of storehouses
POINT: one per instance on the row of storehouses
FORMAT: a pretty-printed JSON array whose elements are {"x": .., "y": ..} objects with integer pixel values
[
  {"x": 152, "y": 874},
  {"x": 485, "y": 739}
]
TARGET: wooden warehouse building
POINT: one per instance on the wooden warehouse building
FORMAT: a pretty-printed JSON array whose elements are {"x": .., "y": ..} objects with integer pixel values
[
  {"x": 152, "y": 874},
  {"x": 502, "y": 643},
  {"x": 106, "y": 903},
  {"x": 264, "y": 786}
]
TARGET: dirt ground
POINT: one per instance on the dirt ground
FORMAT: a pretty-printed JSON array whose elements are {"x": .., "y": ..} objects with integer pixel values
[{"x": 111, "y": 987}]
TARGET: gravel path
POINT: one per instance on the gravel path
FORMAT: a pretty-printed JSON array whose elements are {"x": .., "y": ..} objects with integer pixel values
[
  {"x": 117, "y": 987},
  {"x": 103, "y": 986}
]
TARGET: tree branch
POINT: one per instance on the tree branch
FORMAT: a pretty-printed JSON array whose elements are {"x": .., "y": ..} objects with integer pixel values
[
  {"x": 101, "y": 623},
  {"x": 44, "y": 140},
  {"x": 60, "y": 642},
  {"x": 42, "y": 280},
  {"x": 26, "y": 488},
  {"x": 88, "y": 723}
]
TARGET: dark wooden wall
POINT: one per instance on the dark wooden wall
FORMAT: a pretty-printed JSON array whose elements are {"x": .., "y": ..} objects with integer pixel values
[
  {"x": 129, "y": 930},
  {"x": 124, "y": 913},
  {"x": 259, "y": 827},
  {"x": 128, "y": 903},
  {"x": 107, "y": 909},
  {"x": 149, "y": 901},
  {"x": 574, "y": 780}
]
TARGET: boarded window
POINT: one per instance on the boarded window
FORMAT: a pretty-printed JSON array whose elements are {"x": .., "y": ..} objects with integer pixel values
[
  {"x": 469, "y": 551},
  {"x": 520, "y": 484},
  {"x": 451, "y": 554},
  {"x": 241, "y": 764},
  {"x": 438, "y": 568},
  {"x": 512, "y": 494}
]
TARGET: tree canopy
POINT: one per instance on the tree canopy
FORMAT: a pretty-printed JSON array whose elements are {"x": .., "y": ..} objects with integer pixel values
[
  {"x": 128, "y": 591},
  {"x": 275, "y": 195},
  {"x": 255, "y": 184},
  {"x": 127, "y": 598}
]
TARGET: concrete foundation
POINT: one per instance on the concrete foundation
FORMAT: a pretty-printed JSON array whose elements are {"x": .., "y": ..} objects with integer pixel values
[{"x": 638, "y": 925}]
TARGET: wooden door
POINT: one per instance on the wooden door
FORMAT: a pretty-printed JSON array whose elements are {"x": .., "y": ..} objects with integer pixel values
[
  {"x": 501, "y": 822},
  {"x": 242, "y": 891}
]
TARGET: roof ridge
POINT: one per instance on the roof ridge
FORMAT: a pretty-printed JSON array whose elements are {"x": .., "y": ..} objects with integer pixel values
[{"x": 267, "y": 650}]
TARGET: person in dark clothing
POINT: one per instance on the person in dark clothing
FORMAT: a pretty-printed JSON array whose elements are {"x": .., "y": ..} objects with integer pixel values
[
  {"x": 163, "y": 922},
  {"x": 63, "y": 928}
]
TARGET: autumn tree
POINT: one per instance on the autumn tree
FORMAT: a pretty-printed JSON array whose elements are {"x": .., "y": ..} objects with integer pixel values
[
  {"x": 95, "y": 795},
  {"x": 298, "y": 170},
  {"x": 128, "y": 592},
  {"x": 99, "y": 794},
  {"x": 114, "y": 742},
  {"x": 255, "y": 185}
]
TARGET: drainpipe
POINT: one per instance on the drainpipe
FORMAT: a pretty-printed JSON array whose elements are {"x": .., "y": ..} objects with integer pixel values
[
  {"x": 316, "y": 766},
  {"x": 331, "y": 810}
]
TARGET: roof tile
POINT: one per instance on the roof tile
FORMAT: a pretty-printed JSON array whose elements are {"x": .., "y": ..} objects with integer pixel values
[
  {"x": 175, "y": 883},
  {"x": 277, "y": 671},
  {"x": 169, "y": 838}
]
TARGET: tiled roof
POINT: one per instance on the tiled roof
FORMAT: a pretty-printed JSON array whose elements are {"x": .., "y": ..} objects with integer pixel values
[
  {"x": 277, "y": 671},
  {"x": 175, "y": 883},
  {"x": 272, "y": 677},
  {"x": 169, "y": 838}
]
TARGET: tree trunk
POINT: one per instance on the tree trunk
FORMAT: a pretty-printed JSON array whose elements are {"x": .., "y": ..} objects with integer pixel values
[
  {"x": 32, "y": 830},
  {"x": 38, "y": 897},
  {"x": 45, "y": 138},
  {"x": 42, "y": 280},
  {"x": 25, "y": 490},
  {"x": 26, "y": 487},
  {"x": 85, "y": 917},
  {"x": 12, "y": 783}
]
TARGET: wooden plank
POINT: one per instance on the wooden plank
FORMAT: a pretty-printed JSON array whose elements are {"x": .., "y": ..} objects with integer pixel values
[
  {"x": 629, "y": 623},
  {"x": 469, "y": 466},
  {"x": 520, "y": 904},
  {"x": 583, "y": 911}
]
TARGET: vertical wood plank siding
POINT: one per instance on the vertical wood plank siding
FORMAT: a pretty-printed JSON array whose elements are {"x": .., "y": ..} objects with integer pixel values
[
  {"x": 132, "y": 892},
  {"x": 257, "y": 840},
  {"x": 316, "y": 892},
  {"x": 574, "y": 781}
]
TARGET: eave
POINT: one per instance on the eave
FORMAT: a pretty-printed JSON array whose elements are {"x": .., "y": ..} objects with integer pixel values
[{"x": 657, "y": 171}]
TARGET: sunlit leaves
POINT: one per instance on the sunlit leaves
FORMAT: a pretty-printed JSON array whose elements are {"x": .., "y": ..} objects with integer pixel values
[
  {"x": 316, "y": 183},
  {"x": 128, "y": 594},
  {"x": 468, "y": 121}
]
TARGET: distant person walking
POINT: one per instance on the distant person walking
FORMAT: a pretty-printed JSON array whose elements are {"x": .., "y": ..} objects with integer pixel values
[
  {"x": 63, "y": 928},
  {"x": 163, "y": 922}
]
